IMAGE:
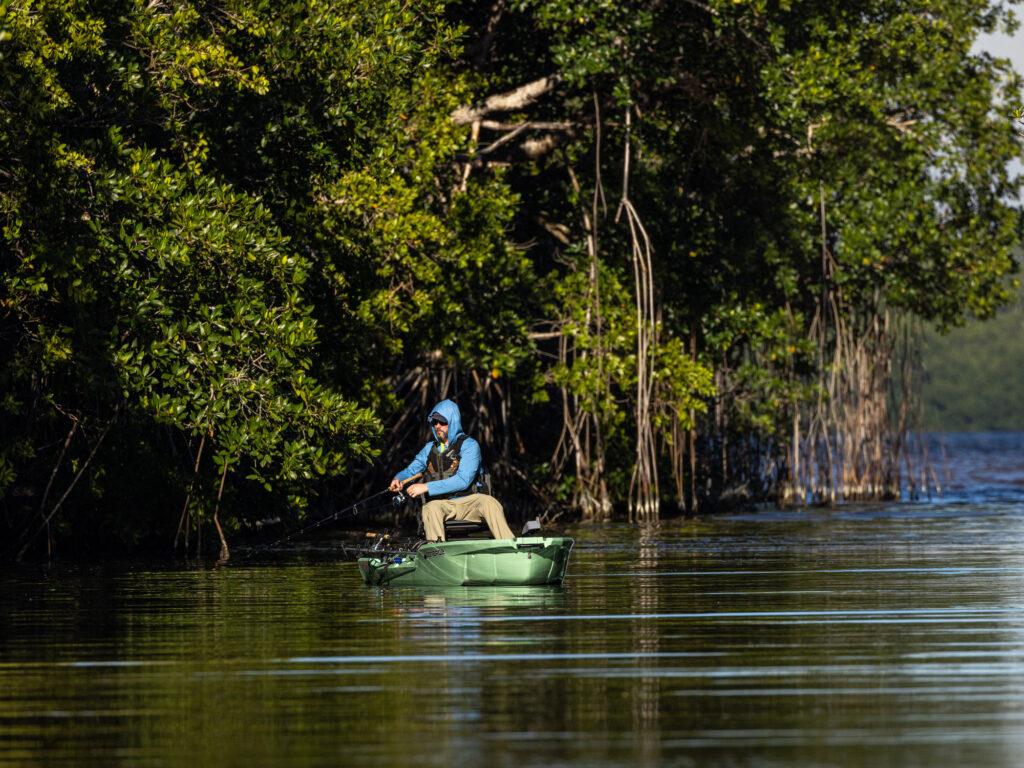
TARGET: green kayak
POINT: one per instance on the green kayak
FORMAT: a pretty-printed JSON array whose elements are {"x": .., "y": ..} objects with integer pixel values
[{"x": 526, "y": 561}]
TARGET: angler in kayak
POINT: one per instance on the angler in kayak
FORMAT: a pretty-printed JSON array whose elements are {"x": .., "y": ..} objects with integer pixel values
[{"x": 451, "y": 465}]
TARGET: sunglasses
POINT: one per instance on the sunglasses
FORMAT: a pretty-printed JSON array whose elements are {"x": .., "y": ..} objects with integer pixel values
[{"x": 436, "y": 422}]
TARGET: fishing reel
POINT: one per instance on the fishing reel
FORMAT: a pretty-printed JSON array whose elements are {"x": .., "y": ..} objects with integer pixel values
[{"x": 399, "y": 499}]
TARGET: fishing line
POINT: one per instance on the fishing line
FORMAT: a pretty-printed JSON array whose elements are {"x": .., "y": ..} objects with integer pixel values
[
  {"x": 317, "y": 524},
  {"x": 399, "y": 499}
]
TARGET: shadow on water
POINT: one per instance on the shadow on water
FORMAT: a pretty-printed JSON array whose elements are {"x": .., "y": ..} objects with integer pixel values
[{"x": 860, "y": 635}]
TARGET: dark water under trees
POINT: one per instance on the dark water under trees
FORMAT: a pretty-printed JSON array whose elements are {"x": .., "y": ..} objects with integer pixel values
[{"x": 865, "y": 635}]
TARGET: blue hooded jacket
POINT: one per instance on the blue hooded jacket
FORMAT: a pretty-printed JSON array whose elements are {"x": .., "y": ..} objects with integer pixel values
[{"x": 469, "y": 463}]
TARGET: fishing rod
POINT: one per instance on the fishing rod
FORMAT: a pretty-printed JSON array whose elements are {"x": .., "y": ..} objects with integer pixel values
[{"x": 330, "y": 518}]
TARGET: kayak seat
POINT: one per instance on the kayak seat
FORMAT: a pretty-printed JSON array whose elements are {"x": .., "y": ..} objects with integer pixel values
[
  {"x": 468, "y": 529},
  {"x": 465, "y": 529}
]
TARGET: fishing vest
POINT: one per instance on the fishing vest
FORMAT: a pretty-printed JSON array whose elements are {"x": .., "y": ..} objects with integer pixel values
[{"x": 441, "y": 466}]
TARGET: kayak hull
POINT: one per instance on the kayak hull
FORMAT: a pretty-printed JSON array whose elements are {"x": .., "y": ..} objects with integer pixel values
[{"x": 527, "y": 561}]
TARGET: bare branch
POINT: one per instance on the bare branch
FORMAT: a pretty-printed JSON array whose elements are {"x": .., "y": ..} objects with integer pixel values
[
  {"x": 85, "y": 465},
  {"x": 515, "y": 99},
  {"x": 534, "y": 148},
  {"x": 538, "y": 125},
  {"x": 903, "y": 126},
  {"x": 504, "y": 139},
  {"x": 483, "y": 45}
]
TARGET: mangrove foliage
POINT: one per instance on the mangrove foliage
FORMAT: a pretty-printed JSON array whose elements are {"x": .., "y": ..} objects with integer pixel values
[{"x": 664, "y": 254}]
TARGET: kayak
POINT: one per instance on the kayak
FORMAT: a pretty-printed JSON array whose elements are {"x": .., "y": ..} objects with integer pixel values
[{"x": 525, "y": 561}]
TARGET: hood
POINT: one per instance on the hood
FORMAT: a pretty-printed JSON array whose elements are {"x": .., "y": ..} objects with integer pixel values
[{"x": 450, "y": 411}]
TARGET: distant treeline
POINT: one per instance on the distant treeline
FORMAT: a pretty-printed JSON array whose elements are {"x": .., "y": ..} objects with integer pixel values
[
  {"x": 663, "y": 254},
  {"x": 974, "y": 377}
]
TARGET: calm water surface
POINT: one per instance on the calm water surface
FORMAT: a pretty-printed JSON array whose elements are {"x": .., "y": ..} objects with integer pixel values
[{"x": 866, "y": 635}]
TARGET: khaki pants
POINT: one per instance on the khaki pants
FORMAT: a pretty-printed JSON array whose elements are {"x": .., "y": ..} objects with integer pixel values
[{"x": 476, "y": 508}]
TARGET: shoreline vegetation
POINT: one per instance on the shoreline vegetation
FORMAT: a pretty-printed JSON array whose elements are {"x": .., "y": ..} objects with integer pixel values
[{"x": 679, "y": 256}]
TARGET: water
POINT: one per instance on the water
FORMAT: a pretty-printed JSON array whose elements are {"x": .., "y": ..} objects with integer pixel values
[{"x": 865, "y": 635}]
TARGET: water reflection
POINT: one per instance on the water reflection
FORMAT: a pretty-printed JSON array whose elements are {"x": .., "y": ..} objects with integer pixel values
[
  {"x": 485, "y": 599},
  {"x": 862, "y": 635}
]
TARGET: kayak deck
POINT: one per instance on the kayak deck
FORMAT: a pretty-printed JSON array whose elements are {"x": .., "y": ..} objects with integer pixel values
[{"x": 524, "y": 561}]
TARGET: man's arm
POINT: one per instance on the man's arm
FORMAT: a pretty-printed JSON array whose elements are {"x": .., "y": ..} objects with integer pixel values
[
  {"x": 419, "y": 463},
  {"x": 469, "y": 464}
]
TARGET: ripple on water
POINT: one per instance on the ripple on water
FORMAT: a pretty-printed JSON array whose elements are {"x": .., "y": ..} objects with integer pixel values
[{"x": 862, "y": 635}]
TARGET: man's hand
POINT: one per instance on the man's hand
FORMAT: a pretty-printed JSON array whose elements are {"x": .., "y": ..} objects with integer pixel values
[
  {"x": 416, "y": 489},
  {"x": 396, "y": 485}
]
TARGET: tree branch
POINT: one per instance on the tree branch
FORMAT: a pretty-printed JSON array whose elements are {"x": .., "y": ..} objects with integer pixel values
[{"x": 515, "y": 99}]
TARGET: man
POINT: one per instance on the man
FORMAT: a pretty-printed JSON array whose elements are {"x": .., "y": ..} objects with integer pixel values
[{"x": 450, "y": 464}]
